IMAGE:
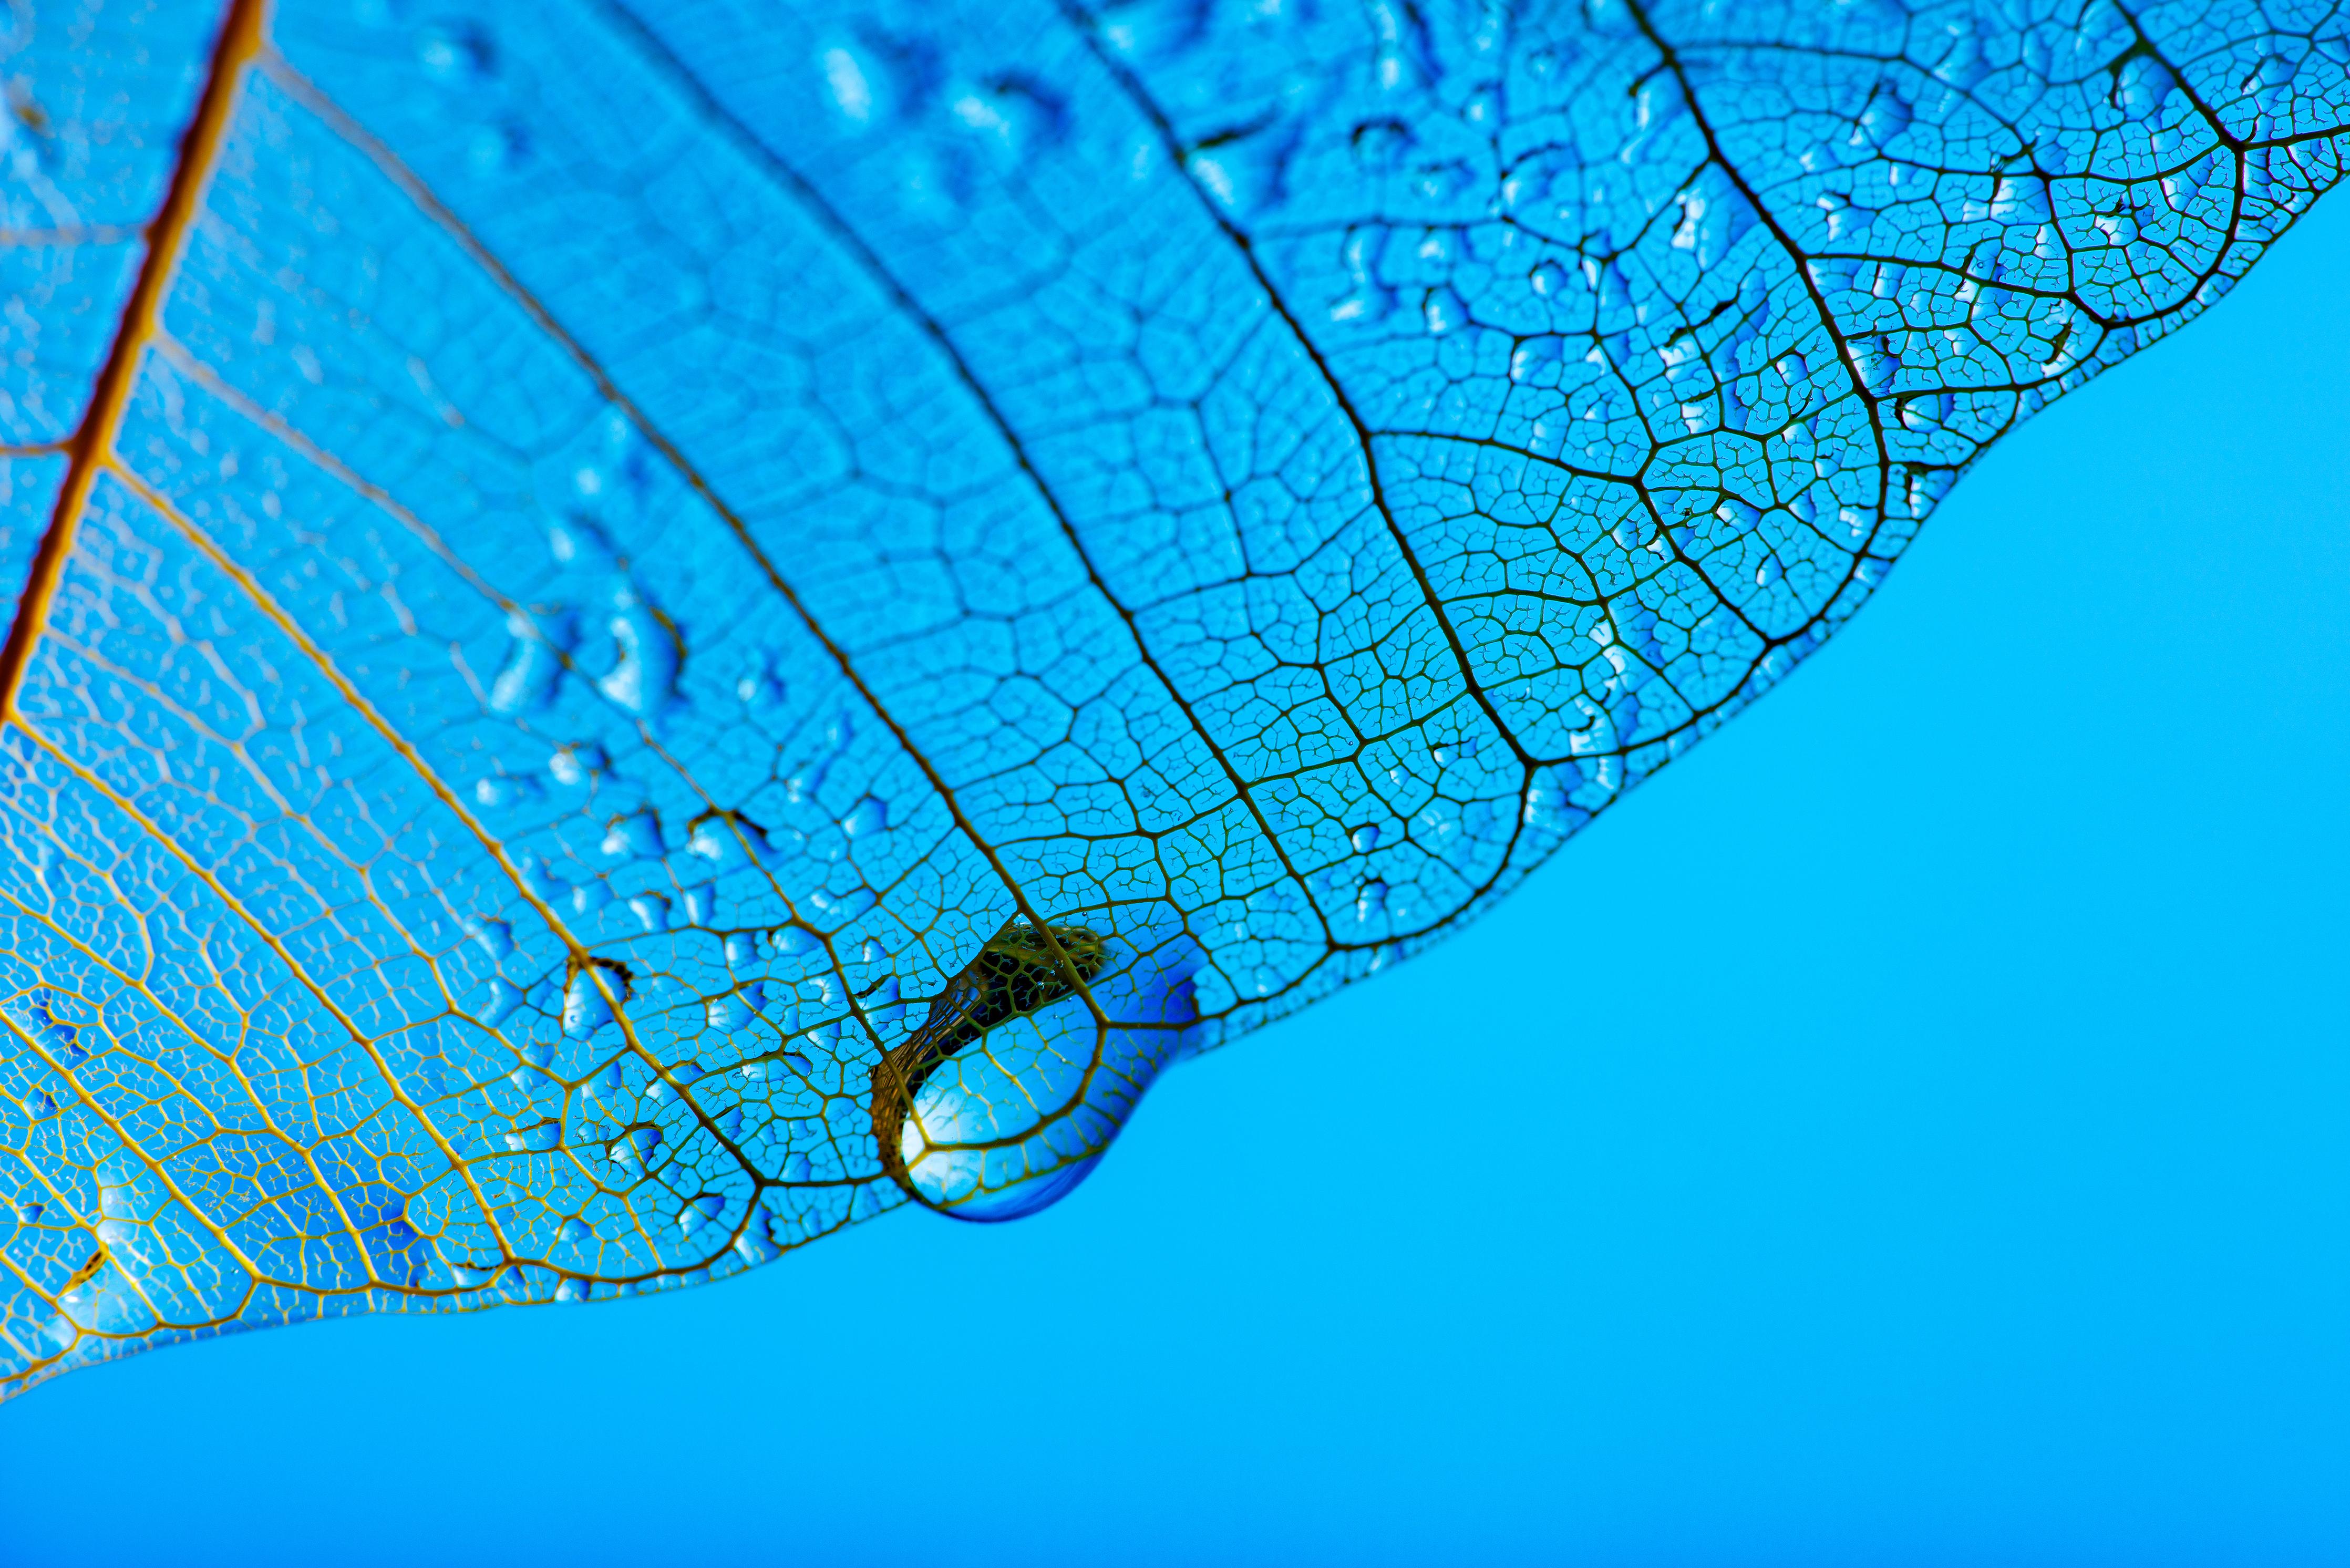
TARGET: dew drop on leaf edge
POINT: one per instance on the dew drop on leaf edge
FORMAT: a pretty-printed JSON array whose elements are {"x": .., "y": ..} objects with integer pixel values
[{"x": 1010, "y": 1091}]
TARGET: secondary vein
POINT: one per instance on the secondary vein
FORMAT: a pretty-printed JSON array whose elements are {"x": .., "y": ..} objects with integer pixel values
[{"x": 238, "y": 45}]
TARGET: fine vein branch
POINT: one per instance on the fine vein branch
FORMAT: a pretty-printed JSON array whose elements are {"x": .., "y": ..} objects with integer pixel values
[{"x": 199, "y": 148}]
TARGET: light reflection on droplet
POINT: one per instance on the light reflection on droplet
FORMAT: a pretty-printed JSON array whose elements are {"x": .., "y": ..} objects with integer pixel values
[
  {"x": 588, "y": 997},
  {"x": 638, "y": 834},
  {"x": 1015, "y": 1085},
  {"x": 868, "y": 816}
]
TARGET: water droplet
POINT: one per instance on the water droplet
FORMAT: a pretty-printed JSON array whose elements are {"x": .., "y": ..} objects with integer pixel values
[
  {"x": 574, "y": 766},
  {"x": 731, "y": 1012},
  {"x": 999, "y": 1129},
  {"x": 1530, "y": 360},
  {"x": 53, "y": 1035},
  {"x": 633, "y": 1148},
  {"x": 1549, "y": 280},
  {"x": 700, "y": 1212},
  {"x": 504, "y": 998},
  {"x": 758, "y": 688},
  {"x": 1381, "y": 144},
  {"x": 795, "y": 941},
  {"x": 574, "y": 1231},
  {"x": 1365, "y": 839},
  {"x": 700, "y": 905},
  {"x": 1443, "y": 311},
  {"x": 637, "y": 834},
  {"x": 1888, "y": 116},
  {"x": 494, "y": 149},
  {"x": 867, "y": 818},
  {"x": 645, "y": 679},
  {"x": 1740, "y": 514},
  {"x": 588, "y": 998},
  {"x": 527, "y": 682},
  {"x": 455, "y": 52},
  {"x": 850, "y": 85},
  {"x": 494, "y": 938},
  {"x": 2142, "y": 86},
  {"x": 1441, "y": 181},
  {"x": 1017, "y": 115},
  {"x": 1549, "y": 800},
  {"x": 544, "y": 1138},
  {"x": 504, "y": 790},
  {"x": 1626, "y": 718},
  {"x": 1370, "y": 300},
  {"x": 1371, "y": 900},
  {"x": 651, "y": 910},
  {"x": 725, "y": 839},
  {"x": 539, "y": 879}
]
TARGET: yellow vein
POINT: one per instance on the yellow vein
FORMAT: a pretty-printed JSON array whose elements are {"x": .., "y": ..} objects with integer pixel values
[
  {"x": 97, "y": 1265},
  {"x": 582, "y": 957},
  {"x": 33, "y": 1168},
  {"x": 102, "y": 962},
  {"x": 38, "y": 1368},
  {"x": 239, "y": 44},
  {"x": 269, "y": 939},
  {"x": 184, "y": 360},
  {"x": 171, "y": 350},
  {"x": 305, "y": 92}
]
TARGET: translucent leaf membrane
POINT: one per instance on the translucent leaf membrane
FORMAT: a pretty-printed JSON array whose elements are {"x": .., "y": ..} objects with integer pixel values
[{"x": 640, "y": 633}]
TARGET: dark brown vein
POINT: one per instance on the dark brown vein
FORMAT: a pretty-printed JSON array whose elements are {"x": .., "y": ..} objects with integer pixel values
[
  {"x": 1148, "y": 107},
  {"x": 413, "y": 187},
  {"x": 839, "y": 229}
]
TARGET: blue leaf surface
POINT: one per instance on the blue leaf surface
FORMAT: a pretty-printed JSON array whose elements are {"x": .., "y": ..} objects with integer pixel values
[{"x": 647, "y": 631}]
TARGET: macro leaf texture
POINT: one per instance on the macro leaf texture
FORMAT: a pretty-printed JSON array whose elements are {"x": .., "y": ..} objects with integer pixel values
[{"x": 642, "y": 631}]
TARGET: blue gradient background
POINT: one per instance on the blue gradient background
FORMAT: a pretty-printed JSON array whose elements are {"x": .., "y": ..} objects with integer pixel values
[{"x": 1967, "y": 1180}]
